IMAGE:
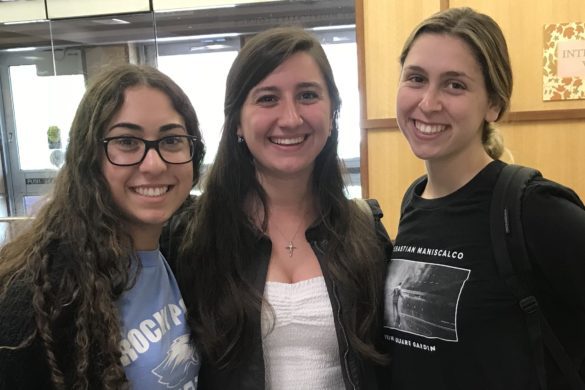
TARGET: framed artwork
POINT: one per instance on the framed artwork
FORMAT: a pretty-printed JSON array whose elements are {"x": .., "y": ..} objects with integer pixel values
[{"x": 563, "y": 61}]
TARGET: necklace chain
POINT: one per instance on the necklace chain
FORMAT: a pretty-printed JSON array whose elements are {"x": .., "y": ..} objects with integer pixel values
[{"x": 291, "y": 245}]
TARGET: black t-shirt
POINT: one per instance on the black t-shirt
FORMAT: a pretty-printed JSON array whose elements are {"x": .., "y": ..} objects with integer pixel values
[{"x": 450, "y": 320}]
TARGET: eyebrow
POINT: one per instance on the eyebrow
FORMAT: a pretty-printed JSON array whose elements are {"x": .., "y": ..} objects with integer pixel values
[
  {"x": 259, "y": 90},
  {"x": 133, "y": 126},
  {"x": 310, "y": 84},
  {"x": 273, "y": 89},
  {"x": 451, "y": 73}
]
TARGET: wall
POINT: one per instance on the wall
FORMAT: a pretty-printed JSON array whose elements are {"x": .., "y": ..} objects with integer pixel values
[{"x": 547, "y": 135}]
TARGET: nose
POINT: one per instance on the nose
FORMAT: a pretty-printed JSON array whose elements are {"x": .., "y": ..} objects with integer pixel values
[
  {"x": 289, "y": 115},
  {"x": 431, "y": 100},
  {"x": 152, "y": 163}
]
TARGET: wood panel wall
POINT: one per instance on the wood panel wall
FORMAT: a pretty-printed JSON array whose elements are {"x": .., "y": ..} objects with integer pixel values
[{"x": 549, "y": 136}]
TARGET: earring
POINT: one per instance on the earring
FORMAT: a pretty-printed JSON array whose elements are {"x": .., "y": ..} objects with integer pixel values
[{"x": 240, "y": 139}]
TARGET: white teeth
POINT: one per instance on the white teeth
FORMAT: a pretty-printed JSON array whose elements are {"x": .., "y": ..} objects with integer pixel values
[
  {"x": 151, "y": 191},
  {"x": 429, "y": 129},
  {"x": 288, "y": 141}
]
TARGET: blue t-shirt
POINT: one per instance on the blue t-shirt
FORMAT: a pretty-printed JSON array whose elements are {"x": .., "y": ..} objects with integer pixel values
[{"x": 156, "y": 353}]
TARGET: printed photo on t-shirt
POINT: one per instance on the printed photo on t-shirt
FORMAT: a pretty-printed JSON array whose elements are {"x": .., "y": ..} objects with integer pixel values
[{"x": 422, "y": 298}]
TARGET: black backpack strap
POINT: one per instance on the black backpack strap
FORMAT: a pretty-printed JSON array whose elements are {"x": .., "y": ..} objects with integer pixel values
[
  {"x": 373, "y": 209},
  {"x": 512, "y": 260},
  {"x": 409, "y": 193},
  {"x": 376, "y": 209}
]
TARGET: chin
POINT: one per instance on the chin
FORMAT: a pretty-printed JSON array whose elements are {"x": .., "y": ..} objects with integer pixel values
[
  {"x": 424, "y": 153},
  {"x": 152, "y": 220}
]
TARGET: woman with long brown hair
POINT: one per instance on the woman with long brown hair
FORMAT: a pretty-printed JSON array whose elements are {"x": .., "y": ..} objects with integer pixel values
[
  {"x": 87, "y": 300},
  {"x": 282, "y": 274}
]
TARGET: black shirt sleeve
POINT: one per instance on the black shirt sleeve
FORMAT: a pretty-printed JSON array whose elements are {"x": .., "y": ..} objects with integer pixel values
[{"x": 554, "y": 226}]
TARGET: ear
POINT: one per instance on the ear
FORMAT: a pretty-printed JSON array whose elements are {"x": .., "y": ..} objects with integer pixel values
[
  {"x": 492, "y": 113},
  {"x": 239, "y": 132}
]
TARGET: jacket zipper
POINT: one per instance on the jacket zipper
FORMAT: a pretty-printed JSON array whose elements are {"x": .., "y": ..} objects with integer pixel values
[
  {"x": 338, "y": 319},
  {"x": 346, "y": 353}
]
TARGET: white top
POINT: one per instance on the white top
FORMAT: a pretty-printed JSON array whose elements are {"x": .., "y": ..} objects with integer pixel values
[{"x": 299, "y": 338}]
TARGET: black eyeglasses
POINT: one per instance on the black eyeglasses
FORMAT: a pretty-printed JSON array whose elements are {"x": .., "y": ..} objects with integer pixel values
[{"x": 126, "y": 151}]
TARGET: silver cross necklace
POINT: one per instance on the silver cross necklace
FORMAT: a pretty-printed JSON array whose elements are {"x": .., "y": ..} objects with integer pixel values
[{"x": 291, "y": 245}]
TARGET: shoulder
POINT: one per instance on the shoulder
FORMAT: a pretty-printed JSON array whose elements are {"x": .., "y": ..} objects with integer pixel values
[
  {"x": 174, "y": 230},
  {"x": 552, "y": 209},
  {"x": 371, "y": 207},
  {"x": 374, "y": 210},
  {"x": 543, "y": 188},
  {"x": 553, "y": 218},
  {"x": 541, "y": 197},
  {"x": 183, "y": 215},
  {"x": 17, "y": 320},
  {"x": 416, "y": 187},
  {"x": 545, "y": 198},
  {"x": 17, "y": 314},
  {"x": 24, "y": 367}
]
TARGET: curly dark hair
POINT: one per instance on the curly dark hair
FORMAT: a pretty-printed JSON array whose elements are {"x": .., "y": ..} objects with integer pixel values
[
  {"x": 75, "y": 256},
  {"x": 216, "y": 250}
]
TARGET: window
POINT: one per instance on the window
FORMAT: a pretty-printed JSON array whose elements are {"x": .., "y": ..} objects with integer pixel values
[{"x": 44, "y": 67}]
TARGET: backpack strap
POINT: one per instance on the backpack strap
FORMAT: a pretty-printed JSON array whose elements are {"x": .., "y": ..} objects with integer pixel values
[
  {"x": 366, "y": 208},
  {"x": 372, "y": 208},
  {"x": 409, "y": 193},
  {"x": 511, "y": 257}
]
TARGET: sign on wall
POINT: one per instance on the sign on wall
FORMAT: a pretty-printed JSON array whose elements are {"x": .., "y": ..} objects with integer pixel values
[{"x": 564, "y": 61}]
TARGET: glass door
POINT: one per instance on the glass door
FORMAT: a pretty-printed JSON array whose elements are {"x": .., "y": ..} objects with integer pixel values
[{"x": 39, "y": 107}]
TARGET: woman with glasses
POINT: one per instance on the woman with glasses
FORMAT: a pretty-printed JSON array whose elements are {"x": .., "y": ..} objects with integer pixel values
[
  {"x": 282, "y": 274},
  {"x": 87, "y": 299}
]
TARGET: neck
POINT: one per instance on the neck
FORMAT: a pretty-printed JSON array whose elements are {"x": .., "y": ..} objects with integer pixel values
[
  {"x": 288, "y": 219},
  {"x": 145, "y": 238},
  {"x": 447, "y": 176},
  {"x": 290, "y": 209},
  {"x": 294, "y": 194}
]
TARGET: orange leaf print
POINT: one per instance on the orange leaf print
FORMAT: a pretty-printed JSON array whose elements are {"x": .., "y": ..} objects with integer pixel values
[
  {"x": 552, "y": 63},
  {"x": 569, "y": 32}
]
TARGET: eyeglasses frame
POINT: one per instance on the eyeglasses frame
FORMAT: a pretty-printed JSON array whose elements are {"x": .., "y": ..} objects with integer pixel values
[{"x": 150, "y": 144}]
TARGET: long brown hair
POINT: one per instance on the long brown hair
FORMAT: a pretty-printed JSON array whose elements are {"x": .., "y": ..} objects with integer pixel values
[
  {"x": 219, "y": 249},
  {"x": 75, "y": 256}
]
